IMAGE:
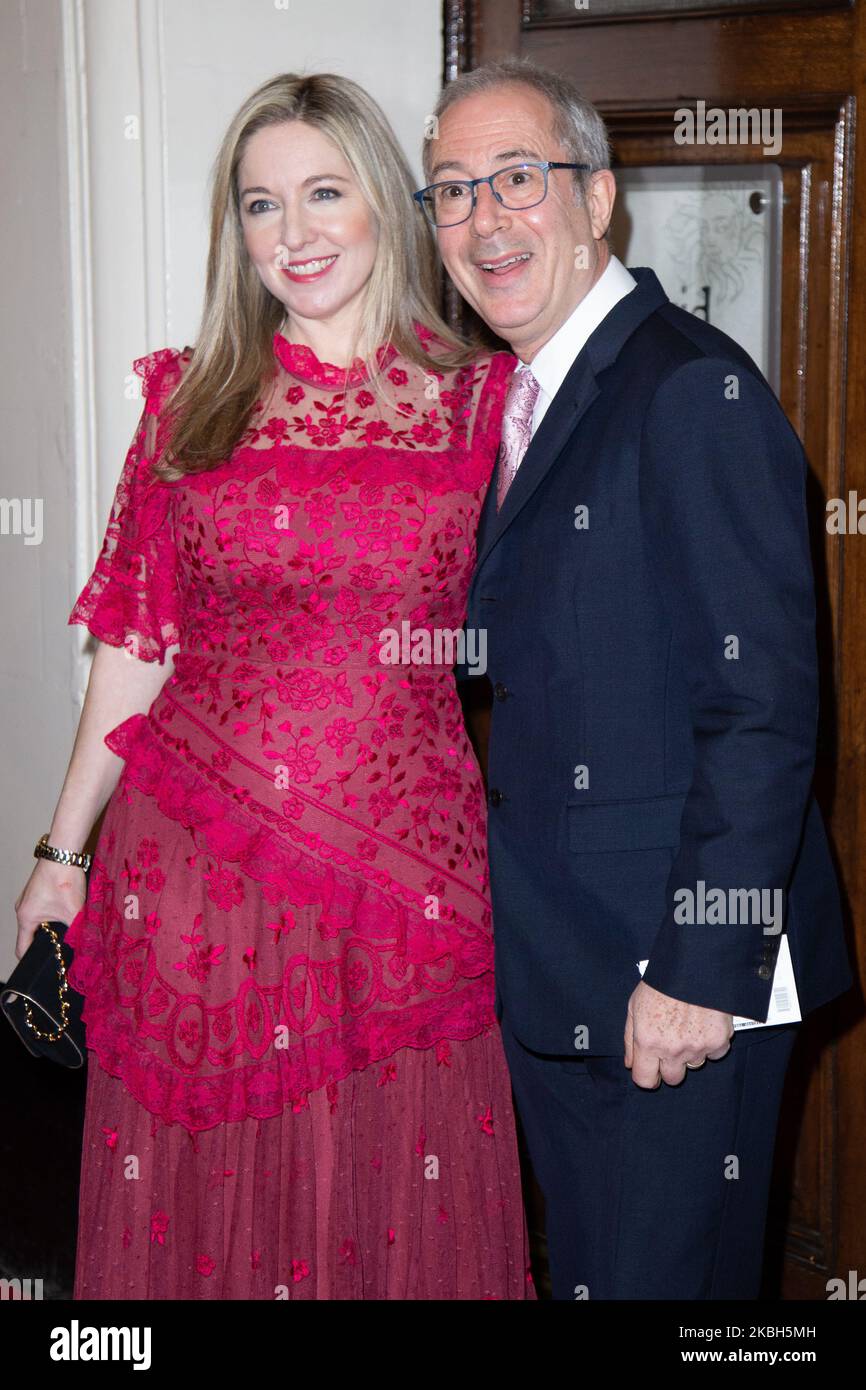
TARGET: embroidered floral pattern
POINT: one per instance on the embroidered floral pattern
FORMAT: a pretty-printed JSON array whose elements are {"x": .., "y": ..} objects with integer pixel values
[{"x": 291, "y": 881}]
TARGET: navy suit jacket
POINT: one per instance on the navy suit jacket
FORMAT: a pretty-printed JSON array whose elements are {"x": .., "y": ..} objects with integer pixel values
[{"x": 631, "y": 753}]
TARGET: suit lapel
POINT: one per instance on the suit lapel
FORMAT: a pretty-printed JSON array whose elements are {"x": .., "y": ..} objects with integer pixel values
[{"x": 576, "y": 394}]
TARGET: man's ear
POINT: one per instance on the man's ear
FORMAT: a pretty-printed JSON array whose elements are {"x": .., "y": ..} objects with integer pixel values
[{"x": 600, "y": 200}]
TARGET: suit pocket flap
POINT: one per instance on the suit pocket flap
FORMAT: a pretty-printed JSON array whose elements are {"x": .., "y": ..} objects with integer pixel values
[{"x": 651, "y": 823}]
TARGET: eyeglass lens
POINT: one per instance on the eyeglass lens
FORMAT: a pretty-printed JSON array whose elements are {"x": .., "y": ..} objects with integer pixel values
[{"x": 515, "y": 188}]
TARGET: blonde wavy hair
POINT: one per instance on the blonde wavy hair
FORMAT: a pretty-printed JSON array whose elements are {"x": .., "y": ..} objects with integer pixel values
[{"x": 233, "y": 357}]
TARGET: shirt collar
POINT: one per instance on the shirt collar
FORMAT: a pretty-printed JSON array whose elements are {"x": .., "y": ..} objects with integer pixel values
[{"x": 552, "y": 362}]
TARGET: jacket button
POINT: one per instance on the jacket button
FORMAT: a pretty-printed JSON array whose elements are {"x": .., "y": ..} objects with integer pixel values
[
  {"x": 500, "y": 691},
  {"x": 765, "y": 973},
  {"x": 495, "y": 796}
]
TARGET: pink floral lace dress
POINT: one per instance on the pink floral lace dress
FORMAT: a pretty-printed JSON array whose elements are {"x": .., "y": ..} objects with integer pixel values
[{"x": 297, "y": 1086}]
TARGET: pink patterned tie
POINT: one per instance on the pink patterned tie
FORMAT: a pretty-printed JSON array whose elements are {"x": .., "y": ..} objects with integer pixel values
[{"x": 516, "y": 429}]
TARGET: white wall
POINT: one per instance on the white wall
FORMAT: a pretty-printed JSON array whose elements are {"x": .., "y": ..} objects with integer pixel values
[
  {"x": 37, "y": 657},
  {"x": 104, "y": 242}
]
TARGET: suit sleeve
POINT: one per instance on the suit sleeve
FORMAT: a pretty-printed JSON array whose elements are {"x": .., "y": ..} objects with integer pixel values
[{"x": 723, "y": 513}]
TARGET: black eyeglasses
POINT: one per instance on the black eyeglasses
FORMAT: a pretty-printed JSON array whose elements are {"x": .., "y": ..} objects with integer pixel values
[{"x": 517, "y": 187}]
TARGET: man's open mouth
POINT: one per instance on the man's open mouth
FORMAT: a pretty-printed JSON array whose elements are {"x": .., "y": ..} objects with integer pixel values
[{"x": 503, "y": 264}]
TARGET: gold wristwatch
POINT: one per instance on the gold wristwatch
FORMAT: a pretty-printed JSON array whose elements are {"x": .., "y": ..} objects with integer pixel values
[{"x": 61, "y": 856}]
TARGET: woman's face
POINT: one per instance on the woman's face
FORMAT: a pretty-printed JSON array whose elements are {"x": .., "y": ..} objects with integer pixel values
[{"x": 307, "y": 229}]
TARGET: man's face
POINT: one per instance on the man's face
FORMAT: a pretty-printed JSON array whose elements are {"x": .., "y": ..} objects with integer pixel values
[{"x": 559, "y": 242}]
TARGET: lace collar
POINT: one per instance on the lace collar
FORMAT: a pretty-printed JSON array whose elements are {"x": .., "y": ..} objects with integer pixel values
[{"x": 301, "y": 362}]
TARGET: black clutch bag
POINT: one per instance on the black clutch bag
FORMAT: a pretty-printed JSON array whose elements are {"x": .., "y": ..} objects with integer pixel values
[{"x": 46, "y": 1014}]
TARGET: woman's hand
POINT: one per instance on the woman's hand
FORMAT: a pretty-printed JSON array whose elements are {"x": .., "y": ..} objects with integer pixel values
[
  {"x": 52, "y": 893},
  {"x": 119, "y": 686}
]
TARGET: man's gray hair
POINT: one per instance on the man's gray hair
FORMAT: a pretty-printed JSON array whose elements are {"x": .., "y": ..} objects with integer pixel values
[{"x": 576, "y": 123}]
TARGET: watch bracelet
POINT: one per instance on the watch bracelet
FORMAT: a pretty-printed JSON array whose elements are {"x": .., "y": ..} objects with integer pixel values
[{"x": 78, "y": 859}]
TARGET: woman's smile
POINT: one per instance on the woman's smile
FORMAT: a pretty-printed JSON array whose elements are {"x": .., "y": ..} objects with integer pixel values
[{"x": 301, "y": 271}]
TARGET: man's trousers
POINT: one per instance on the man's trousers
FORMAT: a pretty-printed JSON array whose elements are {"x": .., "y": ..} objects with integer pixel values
[{"x": 654, "y": 1194}]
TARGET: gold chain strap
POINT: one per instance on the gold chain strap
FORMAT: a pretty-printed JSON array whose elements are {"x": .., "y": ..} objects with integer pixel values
[{"x": 64, "y": 1002}]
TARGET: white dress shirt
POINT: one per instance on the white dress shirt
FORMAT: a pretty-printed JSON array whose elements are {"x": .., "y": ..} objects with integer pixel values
[{"x": 551, "y": 363}]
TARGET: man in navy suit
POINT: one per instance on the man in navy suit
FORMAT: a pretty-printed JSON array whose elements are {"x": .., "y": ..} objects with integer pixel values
[{"x": 644, "y": 578}]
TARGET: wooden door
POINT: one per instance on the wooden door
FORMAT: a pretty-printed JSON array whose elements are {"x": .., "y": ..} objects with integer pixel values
[{"x": 640, "y": 61}]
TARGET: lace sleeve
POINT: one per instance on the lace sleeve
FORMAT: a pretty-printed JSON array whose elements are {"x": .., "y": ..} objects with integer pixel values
[
  {"x": 487, "y": 425},
  {"x": 131, "y": 598}
]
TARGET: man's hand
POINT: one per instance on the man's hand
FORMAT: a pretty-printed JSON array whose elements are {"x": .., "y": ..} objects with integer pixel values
[{"x": 662, "y": 1035}]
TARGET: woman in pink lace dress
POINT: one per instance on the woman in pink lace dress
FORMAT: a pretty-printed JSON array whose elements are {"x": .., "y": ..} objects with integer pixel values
[{"x": 297, "y": 1087}]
